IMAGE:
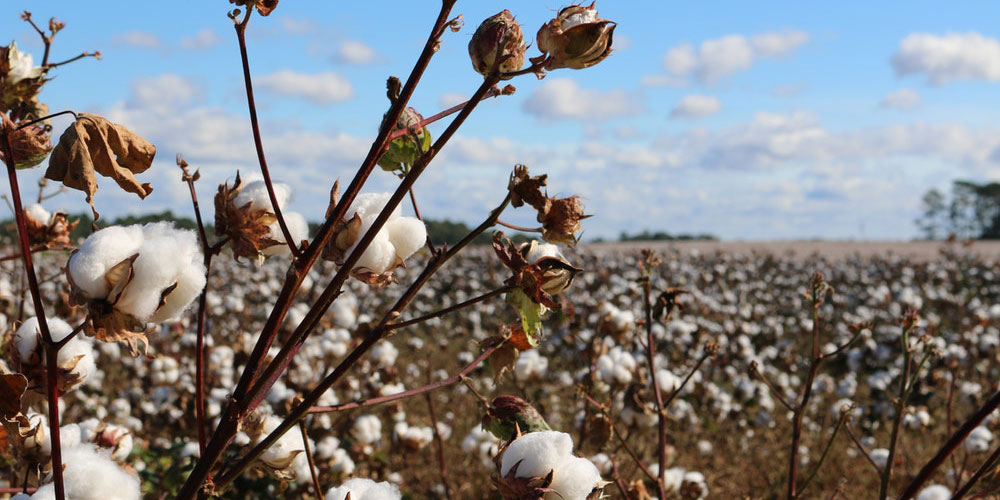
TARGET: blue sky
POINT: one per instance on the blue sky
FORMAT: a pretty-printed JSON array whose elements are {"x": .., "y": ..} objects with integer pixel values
[{"x": 747, "y": 120}]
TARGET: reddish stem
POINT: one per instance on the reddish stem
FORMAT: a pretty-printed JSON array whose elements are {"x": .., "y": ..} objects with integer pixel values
[
  {"x": 520, "y": 228},
  {"x": 309, "y": 459},
  {"x": 439, "y": 441},
  {"x": 51, "y": 348},
  {"x": 241, "y": 29},
  {"x": 450, "y": 111},
  {"x": 207, "y": 253}
]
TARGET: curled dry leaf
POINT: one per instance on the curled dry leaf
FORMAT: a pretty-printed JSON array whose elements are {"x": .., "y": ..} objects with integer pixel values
[
  {"x": 53, "y": 233},
  {"x": 512, "y": 487},
  {"x": 29, "y": 145},
  {"x": 94, "y": 145},
  {"x": 12, "y": 387},
  {"x": 560, "y": 217}
]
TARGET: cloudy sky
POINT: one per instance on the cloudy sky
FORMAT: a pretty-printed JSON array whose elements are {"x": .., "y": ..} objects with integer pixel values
[{"x": 782, "y": 120}]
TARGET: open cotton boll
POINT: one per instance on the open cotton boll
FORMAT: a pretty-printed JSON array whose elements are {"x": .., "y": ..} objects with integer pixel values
[
  {"x": 368, "y": 428},
  {"x": 538, "y": 453},
  {"x": 574, "y": 480},
  {"x": 26, "y": 337},
  {"x": 281, "y": 454},
  {"x": 298, "y": 228},
  {"x": 82, "y": 352},
  {"x": 369, "y": 205},
  {"x": 38, "y": 213},
  {"x": 165, "y": 254},
  {"x": 364, "y": 489},
  {"x": 89, "y": 474},
  {"x": 190, "y": 283},
  {"x": 934, "y": 492},
  {"x": 379, "y": 255},
  {"x": 407, "y": 235},
  {"x": 102, "y": 251},
  {"x": 255, "y": 193}
]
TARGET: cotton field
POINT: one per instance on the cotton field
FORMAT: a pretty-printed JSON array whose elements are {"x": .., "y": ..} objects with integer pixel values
[{"x": 747, "y": 318}]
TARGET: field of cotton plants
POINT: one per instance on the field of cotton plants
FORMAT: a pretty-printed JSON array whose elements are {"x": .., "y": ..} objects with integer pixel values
[{"x": 727, "y": 432}]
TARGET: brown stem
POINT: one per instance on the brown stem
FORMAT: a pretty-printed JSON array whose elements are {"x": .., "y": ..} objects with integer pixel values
[
  {"x": 815, "y": 361},
  {"x": 897, "y": 419},
  {"x": 207, "y": 253},
  {"x": 67, "y": 61},
  {"x": 51, "y": 348},
  {"x": 258, "y": 144},
  {"x": 755, "y": 370},
  {"x": 950, "y": 446},
  {"x": 616, "y": 475},
  {"x": 707, "y": 353},
  {"x": 42, "y": 119},
  {"x": 47, "y": 40},
  {"x": 427, "y": 121},
  {"x": 450, "y": 309},
  {"x": 452, "y": 380},
  {"x": 614, "y": 429},
  {"x": 861, "y": 448},
  {"x": 984, "y": 469},
  {"x": 826, "y": 451},
  {"x": 439, "y": 442},
  {"x": 37, "y": 249},
  {"x": 948, "y": 425},
  {"x": 229, "y": 422},
  {"x": 520, "y": 228},
  {"x": 309, "y": 459},
  {"x": 661, "y": 412}
]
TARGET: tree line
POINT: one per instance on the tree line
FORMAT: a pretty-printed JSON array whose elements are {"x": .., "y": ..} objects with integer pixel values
[{"x": 970, "y": 211}]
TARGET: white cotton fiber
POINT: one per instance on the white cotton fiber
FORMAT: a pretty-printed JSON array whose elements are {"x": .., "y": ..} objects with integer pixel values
[
  {"x": 540, "y": 250},
  {"x": 26, "y": 337},
  {"x": 85, "y": 366},
  {"x": 407, "y": 234},
  {"x": 90, "y": 474},
  {"x": 190, "y": 282},
  {"x": 100, "y": 252},
  {"x": 166, "y": 255},
  {"x": 368, "y": 428},
  {"x": 379, "y": 255},
  {"x": 574, "y": 480},
  {"x": 255, "y": 193},
  {"x": 364, "y": 489},
  {"x": 369, "y": 205},
  {"x": 538, "y": 452},
  {"x": 38, "y": 213},
  {"x": 290, "y": 444},
  {"x": 297, "y": 227},
  {"x": 934, "y": 492}
]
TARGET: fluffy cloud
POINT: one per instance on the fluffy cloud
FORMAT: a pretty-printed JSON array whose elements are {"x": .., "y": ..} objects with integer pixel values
[
  {"x": 563, "y": 99},
  {"x": 164, "y": 92},
  {"x": 201, "y": 40},
  {"x": 320, "y": 88},
  {"x": 451, "y": 99},
  {"x": 696, "y": 106},
  {"x": 719, "y": 58},
  {"x": 943, "y": 59},
  {"x": 355, "y": 52},
  {"x": 138, "y": 39},
  {"x": 903, "y": 99}
]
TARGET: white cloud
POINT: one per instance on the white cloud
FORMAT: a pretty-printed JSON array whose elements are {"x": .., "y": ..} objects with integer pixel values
[
  {"x": 201, "y": 40},
  {"x": 138, "y": 39},
  {"x": 903, "y": 99},
  {"x": 696, "y": 106},
  {"x": 943, "y": 59},
  {"x": 563, "y": 99},
  {"x": 320, "y": 88},
  {"x": 164, "y": 92},
  {"x": 355, "y": 52},
  {"x": 452, "y": 99},
  {"x": 296, "y": 26},
  {"x": 719, "y": 58}
]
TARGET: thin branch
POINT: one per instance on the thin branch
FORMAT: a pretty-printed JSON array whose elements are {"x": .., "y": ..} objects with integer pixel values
[
  {"x": 452, "y": 380},
  {"x": 861, "y": 448},
  {"x": 986, "y": 468},
  {"x": 520, "y": 228},
  {"x": 42, "y": 119},
  {"x": 755, "y": 370},
  {"x": 439, "y": 442},
  {"x": 257, "y": 141},
  {"x": 451, "y": 309},
  {"x": 51, "y": 348},
  {"x": 897, "y": 419},
  {"x": 77, "y": 58},
  {"x": 631, "y": 452},
  {"x": 450, "y": 111},
  {"x": 661, "y": 412},
  {"x": 309, "y": 459},
  {"x": 710, "y": 349},
  {"x": 826, "y": 450}
]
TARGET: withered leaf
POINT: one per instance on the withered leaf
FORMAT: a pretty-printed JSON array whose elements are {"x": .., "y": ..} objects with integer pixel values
[
  {"x": 12, "y": 387},
  {"x": 248, "y": 230},
  {"x": 265, "y": 7},
  {"x": 503, "y": 359},
  {"x": 94, "y": 145},
  {"x": 526, "y": 189}
]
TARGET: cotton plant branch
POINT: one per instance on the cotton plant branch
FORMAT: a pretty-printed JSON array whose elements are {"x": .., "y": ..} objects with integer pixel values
[
  {"x": 650, "y": 263},
  {"x": 987, "y": 467},
  {"x": 439, "y": 443},
  {"x": 450, "y": 309},
  {"x": 235, "y": 410},
  {"x": 905, "y": 386},
  {"x": 51, "y": 347},
  {"x": 309, "y": 458},
  {"x": 844, "y": 415},
  {"x": 862, "y": 450}
]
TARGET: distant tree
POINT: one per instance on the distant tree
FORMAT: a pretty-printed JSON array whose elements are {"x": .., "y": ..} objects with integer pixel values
[
  {"x": 972, "y": 212},
  {"x": 647, "y": 235}
]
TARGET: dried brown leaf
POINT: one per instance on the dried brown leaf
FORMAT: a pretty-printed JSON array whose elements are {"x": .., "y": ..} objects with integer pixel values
[
  {"x": 94, "y": 145},
  {"x": 12, "y": 387}
]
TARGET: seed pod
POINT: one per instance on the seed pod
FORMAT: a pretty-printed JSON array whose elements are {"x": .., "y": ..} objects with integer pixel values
[{"x": 500, "y": 37}]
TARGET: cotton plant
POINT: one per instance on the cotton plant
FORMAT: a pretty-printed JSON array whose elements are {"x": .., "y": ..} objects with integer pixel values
[
  {"x": 245, "y": 217},
  {"x": 364, "y": 489},
  {"x": 91, "y": 474},
  {"x": 129, "y": 276},
  {"x": 542, "y": 463}
]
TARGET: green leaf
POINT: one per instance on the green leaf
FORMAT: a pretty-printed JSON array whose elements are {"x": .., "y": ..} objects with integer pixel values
[{"x": 531, "y": 315}]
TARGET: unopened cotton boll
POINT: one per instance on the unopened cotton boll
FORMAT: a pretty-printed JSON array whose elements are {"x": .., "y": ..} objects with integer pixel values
[
  {"x": 934, "y": 492},
  {"x": 364, "y": 489}
]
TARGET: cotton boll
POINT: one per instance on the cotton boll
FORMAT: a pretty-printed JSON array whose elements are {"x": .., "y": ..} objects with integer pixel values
[
  {"x": 165, "y": 254},
  {"x": 379, "y": 255},
  {"x": 934, "y": 492},
  {"x": 283, "y": 451},
  {"x": 407, "y": 235},
  {"x": 541, "y": 250},
  {"x": 979, "y": 440},
  {"x": 82, "y": 353},
  {"x": 369, "y": 205},
  {"x": 38, "y": 213},
  {"x": 368, "y": 429},
  {"x": 255, "y": 193},
  {"x": 27, "y": 335},
  {"x": 101, "y": 251},
  {"x": 537, "y": 452},
  {"x": 190, "y": 283},
  {"x": 364, "y": 489},
  {"x": 880, "y": 456},
  {"x": 91, "y": 475},
  {"x": 574, "y": 479},
  {"x": 384, "y": 354},
  {"x": 667, "y": 381},
  {"x": 298, "y": 228}
]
